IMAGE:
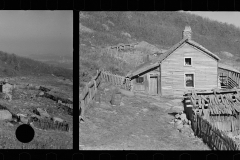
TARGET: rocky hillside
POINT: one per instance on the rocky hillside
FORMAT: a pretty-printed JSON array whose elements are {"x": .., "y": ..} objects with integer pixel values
[{"x": 118, "y": 41}]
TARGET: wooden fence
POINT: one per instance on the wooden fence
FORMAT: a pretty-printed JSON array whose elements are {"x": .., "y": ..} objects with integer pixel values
[
  {"x": 90, "y": 89},
  {"x": 116, "y": 80},
  {"x": 215, "y": 138},
  {"x": 214, "y": 114},
  {"x": 89, "y": 93}
]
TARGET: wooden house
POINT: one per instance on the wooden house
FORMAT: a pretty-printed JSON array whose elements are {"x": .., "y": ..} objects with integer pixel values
[{"x": 185, "y": 66}]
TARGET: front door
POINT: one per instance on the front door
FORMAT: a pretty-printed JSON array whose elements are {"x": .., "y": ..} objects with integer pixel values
[{"x": 153, "y": 85}]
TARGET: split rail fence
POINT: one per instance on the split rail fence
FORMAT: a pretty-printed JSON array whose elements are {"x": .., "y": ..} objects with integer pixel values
[{"x": 90, "y": 90}]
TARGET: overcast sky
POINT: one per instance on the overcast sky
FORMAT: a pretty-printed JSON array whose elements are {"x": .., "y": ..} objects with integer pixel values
[
  {"x": 35, "y": 32},
  {"x": 227, "y": 17}
]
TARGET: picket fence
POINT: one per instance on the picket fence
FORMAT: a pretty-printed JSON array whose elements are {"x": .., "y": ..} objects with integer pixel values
[
  {"x": 211, "y": 135},
  {"x": 116, "y": 80}
]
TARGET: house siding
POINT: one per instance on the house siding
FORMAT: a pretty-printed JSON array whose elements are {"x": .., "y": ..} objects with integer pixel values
[
  {"x": 203, "y": 66},
  {"x": 144, "y": 87}
]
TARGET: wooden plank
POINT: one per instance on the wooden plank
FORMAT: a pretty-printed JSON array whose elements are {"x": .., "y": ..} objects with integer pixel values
[
  {"x": 239, "y": 80},
  {"x": 95, "y": 86},
  {"x": 160, "y": 80},
  {"x": 82, "y": 109}
]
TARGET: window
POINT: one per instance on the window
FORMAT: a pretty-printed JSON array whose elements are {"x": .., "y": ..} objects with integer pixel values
[
  {"x": 189, "y": 80},
  {"x": 187, "y": 61},
  {"x": 139, "y": 80}
]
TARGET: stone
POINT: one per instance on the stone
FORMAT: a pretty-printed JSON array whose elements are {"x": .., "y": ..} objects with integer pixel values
[
  {"x": 43, "y": 113},
  {"x": 177, "y": 109},
  {"x": 24, "y": 120},
  {"x": 57, "y": 119},
  {"x": 41, "y": 93},
  {"x": 183, "y": 117},
  {"x": 5, "y": 115},
  {"x": 180, "y": 126},
  {"x": 177, "y": 116},
  {"x": 178, "y": 122},
  {"x": 121, "y": 104}
]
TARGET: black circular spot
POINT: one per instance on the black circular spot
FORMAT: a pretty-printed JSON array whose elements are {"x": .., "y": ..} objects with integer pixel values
[{"x": 25, "y": 133}]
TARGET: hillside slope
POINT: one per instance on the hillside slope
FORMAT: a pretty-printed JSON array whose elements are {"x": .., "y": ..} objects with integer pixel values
[
  {"x": 100, "y": 31},
  {"x": 13, "y": 65}
]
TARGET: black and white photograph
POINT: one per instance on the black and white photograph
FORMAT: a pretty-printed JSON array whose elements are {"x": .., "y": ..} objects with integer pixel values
[
  {"x": 36, "y": 79},
  {"x": 159, "y": 80}
]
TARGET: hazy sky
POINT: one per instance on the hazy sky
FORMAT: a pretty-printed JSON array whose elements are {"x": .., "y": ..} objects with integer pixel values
[
  {"x": 34, "y": 32},
  {"x": 228, "y": 17}
]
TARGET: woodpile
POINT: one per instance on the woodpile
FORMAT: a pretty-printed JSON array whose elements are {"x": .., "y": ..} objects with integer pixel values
[
  {"x": 222, "y": 110},
  {"x": 218, "y": 111},
  {"x": 49, "y": 124}
]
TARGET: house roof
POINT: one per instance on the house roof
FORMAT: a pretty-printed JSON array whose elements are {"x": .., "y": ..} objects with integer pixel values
[
  {"x": 142, "y": 68},
  {"x": 146, "y": 66},
  {"x": 227, "y": 67}
]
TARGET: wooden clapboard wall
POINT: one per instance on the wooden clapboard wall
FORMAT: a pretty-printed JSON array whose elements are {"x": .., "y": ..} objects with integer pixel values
[
  {"x": 144, "y": 86},
  {"x": 203, "y": 66}
]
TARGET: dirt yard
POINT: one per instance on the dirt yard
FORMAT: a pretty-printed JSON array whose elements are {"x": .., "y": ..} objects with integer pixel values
[{"x": 139, "y": 123}]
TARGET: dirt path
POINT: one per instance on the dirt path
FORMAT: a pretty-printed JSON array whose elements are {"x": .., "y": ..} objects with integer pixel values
[{"x": 140, "y": 123}]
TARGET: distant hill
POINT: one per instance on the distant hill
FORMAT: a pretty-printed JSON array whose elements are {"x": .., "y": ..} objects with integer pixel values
[
  {"x": 58, "y": 60},
  {"x": 13, "y": 65},
  {"x": 101, "y": 30}
]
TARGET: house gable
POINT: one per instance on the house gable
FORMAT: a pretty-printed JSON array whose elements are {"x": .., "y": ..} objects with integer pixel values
[
  {"x": 173, "y": 70},
  {"x": 186, "y": 55}
]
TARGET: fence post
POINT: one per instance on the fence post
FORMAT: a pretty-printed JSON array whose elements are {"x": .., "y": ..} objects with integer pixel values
[
  {"x": 81, "y": 110},
  {"x": 95, "y": 87}
]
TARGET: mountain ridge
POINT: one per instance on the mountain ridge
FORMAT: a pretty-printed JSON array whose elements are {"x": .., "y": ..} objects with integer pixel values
[{"x": 14, "y": 65}]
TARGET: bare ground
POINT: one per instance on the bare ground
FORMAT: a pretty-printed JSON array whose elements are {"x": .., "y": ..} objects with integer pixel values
[
  {"x": 140, "y": 123},
  {"x": 24, "y": 100}
]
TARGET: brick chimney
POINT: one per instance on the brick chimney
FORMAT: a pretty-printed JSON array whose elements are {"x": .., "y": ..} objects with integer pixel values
[{"x": 187, "y": 32}]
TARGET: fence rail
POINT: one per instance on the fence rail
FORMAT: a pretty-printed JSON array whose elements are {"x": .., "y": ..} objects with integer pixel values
[
  {"x": 116, "y": 80},
  {"x": 89, "y": 93},
  {"x": 90, "y": 89}
]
